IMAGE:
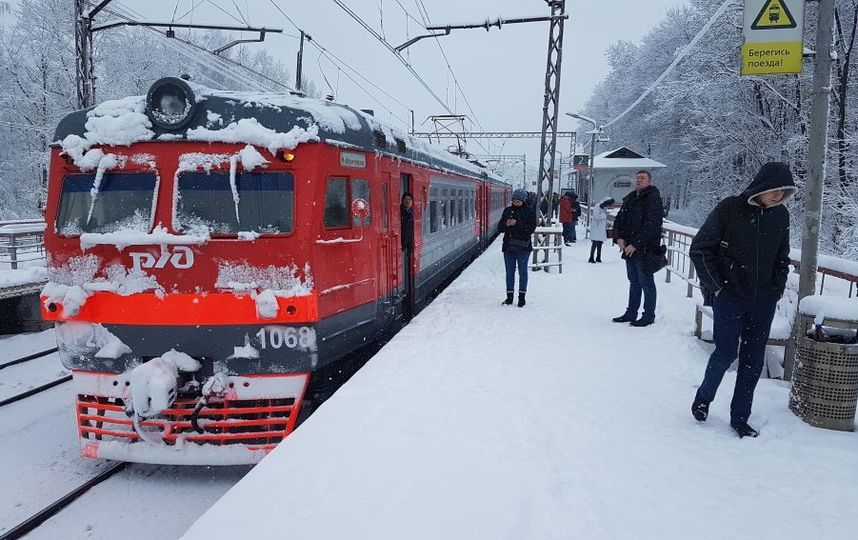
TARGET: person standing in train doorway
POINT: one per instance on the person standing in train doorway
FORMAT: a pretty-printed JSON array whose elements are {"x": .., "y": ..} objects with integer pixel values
[
  {"x": 741, "y": 255},
  {"x": 517, "y": 225},
  {"x": 406, "y": 220}
]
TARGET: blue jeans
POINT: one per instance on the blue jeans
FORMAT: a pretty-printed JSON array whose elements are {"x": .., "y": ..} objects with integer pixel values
[
  {"x": 640, "y": 281},
  {"x": 736, "y": 319},
  {"x": 520, "y": 259},
  {"x": 569, "y": 233}
]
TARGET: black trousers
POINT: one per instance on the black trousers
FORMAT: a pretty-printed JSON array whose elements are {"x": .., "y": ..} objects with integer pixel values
[{"x": 596, "y": 247}]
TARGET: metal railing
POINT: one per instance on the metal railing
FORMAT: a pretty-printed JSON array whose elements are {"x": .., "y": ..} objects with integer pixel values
[
  {"x": 678, "y": 239},
  {"x": 21, "y": 242}
]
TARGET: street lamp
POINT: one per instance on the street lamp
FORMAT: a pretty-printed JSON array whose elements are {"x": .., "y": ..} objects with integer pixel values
[{"x": 597, "y": 130}]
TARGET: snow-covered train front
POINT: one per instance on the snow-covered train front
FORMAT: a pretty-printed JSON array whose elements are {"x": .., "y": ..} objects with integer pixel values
[{"x": 213, "y": 253}]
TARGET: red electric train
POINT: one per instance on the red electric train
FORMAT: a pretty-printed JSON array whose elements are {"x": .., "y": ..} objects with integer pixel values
[{"x": 212, "y": 254}]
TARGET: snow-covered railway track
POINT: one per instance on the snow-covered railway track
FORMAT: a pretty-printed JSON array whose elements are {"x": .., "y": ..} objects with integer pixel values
[
  {"x": 35, "y": 390},
  {"x": 35, "y": 520},
  {"x": 34, "y": 356}
]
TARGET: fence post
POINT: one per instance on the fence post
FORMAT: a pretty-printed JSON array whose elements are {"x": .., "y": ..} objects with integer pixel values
[
  {"x": 669, "y": 256},
  {"x": 13, "y": 251},
  {"x": 690, "y": 292}
]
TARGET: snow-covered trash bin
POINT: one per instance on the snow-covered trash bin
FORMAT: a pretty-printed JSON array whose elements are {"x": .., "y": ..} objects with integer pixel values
[{"x": 825, "y": 385}]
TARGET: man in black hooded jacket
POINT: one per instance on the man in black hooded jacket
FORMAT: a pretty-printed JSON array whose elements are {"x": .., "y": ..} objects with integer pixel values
[{"x": 741, "y": 254}]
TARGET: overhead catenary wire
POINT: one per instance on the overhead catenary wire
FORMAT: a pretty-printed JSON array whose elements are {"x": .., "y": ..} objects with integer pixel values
[
  {"x": 208, "y": 59},
  {"x": 685, "y": 51},
  {"x": 424, "y": 14},
  {"x": 345, "y": 68},
  {"x": 389, "y": 47}
]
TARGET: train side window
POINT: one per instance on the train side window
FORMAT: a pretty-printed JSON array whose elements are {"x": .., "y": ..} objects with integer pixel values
[
  {"x": 260, "y": 202},
  {"x": 453, "y": 211},
  {"x": 433, "y": 210},
  {"x": 123, "y": 201},
  {"x": 336, "y": 203},
  {"x": 360, "y": 190},
  {"x": 461, "y": 206},
  {"x": 445, "y": 209}
]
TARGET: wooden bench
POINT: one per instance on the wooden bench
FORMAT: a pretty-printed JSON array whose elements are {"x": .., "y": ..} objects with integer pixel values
[{"x": 701, "y": 310}]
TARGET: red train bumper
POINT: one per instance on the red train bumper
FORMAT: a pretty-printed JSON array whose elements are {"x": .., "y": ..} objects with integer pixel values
[{"x": 255, "y": 413}]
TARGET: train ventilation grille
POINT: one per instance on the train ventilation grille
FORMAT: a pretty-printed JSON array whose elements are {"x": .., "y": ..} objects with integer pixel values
[{"x": 263, "y": 422}]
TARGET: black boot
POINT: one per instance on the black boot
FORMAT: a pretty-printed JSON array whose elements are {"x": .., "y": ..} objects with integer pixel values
[
  {"x": 521, "y": 301},
  {"x": 700, "y": 410},
  {"x": 623, "y": 318},
  {"x": 743, "y": 429},
  {"x": 591, "y": 260},
  {"x": 508, "y": 301}
]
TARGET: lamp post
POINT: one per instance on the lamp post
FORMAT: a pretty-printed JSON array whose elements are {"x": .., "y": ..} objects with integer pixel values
[{"x": 597, "y": 129}]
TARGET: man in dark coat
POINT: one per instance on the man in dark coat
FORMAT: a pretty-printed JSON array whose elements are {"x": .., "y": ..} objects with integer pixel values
[
  {"x": 637, "y": 231},
  {"x": 741, "y": 254},
  {"x": 517, "y": 225}
]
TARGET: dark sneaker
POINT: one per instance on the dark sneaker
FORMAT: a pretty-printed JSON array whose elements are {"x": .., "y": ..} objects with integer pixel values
[
  {"x": 744, "y": 430},
  {"x": 623, "y": 318},
  {"x": 642, "y": 322},
  {"x": 700, "y": 410}
]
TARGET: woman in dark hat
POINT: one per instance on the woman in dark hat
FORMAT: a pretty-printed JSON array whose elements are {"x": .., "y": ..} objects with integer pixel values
[{"x": 517, "y": 225}]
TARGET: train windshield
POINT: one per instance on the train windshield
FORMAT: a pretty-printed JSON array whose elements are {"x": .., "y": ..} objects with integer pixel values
[
  {"x": 117, "y": 201},
  {"x": 261, "y": 202}
]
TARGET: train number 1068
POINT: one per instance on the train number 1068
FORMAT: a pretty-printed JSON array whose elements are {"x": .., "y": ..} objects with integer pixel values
[{"x": 275, "y": 337}]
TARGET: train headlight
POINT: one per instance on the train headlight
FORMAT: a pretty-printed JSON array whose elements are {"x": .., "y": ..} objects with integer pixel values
[{"x": 170, "y": 103}]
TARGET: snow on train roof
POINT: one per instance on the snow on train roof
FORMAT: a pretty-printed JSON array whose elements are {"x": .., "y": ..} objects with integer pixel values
[{"x": 270, "y": 120}]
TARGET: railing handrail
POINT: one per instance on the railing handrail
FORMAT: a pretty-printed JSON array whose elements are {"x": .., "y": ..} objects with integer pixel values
[
  {"x": 833, "y": 268},
  {"x": 21, "y": 236}
]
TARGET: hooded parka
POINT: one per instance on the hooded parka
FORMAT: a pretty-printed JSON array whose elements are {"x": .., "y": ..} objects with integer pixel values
[{"x": 754, "y": 261}]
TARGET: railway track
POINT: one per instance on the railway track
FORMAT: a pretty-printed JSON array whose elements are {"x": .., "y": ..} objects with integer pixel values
[
  {"x": 34, "y": 521},
  {"x": 35, "y": 390},
  {"x": 27, "y": 358}
]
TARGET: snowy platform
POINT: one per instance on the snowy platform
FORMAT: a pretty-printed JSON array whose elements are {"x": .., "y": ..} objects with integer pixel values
[{"x": 483, "y": 421}]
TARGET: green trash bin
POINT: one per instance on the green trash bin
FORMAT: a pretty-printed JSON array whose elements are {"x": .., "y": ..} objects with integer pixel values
[{"x": 825, "y": 383}]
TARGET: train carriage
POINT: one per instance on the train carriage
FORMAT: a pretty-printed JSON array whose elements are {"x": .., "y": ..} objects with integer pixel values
[{"x": 212, "y": 253}]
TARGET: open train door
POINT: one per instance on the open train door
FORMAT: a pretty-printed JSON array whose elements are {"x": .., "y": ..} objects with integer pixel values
[
  {"x": 405, "y": 186},
  {"x": 389, "y": 254}
]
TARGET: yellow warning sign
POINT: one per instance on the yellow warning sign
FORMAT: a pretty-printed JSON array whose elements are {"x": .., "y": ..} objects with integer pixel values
[
  {"x": 775, "y": 14},
  {"x": 767, "y": 58},
  {"x": 773, "y": 37}
]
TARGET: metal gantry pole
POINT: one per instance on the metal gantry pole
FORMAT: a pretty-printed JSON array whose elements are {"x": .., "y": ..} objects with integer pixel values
[
  {"x": 84, "y": 78},
  {"x": 818, "y": 139},
  {"x": 548, "y": 145},
  {"x": 299, "y": 68}
]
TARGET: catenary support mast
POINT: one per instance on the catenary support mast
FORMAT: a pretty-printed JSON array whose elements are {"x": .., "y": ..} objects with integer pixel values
[{"x": 548, "y": 146}]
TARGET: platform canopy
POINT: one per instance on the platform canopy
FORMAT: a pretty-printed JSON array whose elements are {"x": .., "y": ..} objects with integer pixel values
[{"x": 625, "y": 158}]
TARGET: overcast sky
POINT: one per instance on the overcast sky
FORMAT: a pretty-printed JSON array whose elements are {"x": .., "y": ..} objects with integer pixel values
[{"x": 501, "y": 72}]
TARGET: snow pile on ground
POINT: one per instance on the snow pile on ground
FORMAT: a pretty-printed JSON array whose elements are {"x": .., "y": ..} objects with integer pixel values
[
  {"x": 549, "y": 421},
  {"x": 22, "y": 276}
]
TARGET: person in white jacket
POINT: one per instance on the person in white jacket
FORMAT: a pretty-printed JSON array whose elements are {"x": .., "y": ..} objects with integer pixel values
[{"x": 599, "y": 228}]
